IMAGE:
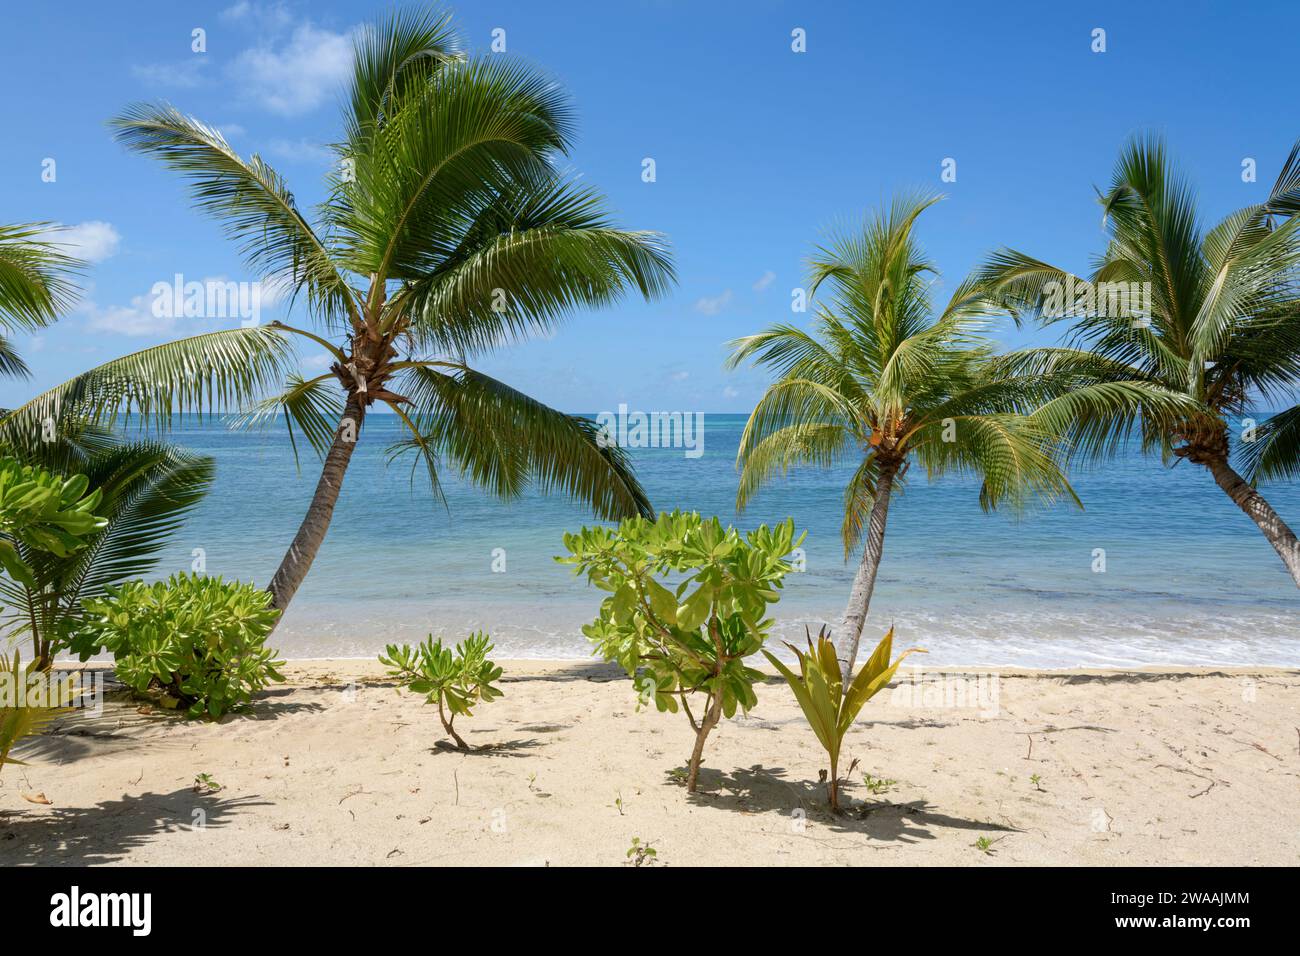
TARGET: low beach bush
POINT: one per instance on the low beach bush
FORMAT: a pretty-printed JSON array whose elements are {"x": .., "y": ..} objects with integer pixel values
[
  {"x": 191, "y": 642},
  {"x": 820, "y": 691},
  {"x": 689, "y": 633},
  {"x": 455, "y": 681}
]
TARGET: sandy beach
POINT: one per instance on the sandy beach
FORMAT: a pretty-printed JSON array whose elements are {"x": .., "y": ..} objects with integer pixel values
[{"x": 1176, "y": 766}]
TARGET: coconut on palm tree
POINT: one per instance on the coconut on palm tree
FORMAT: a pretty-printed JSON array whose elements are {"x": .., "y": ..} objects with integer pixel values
[
  {"x": 449, "y": 230},
  {"x": 1212, "y": 316},
  {"x": 881, "y": 382}
]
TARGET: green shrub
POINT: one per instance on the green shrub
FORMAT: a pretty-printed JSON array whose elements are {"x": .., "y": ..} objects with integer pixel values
[
  {"x": 41, "y": 511},
  {"x": 453, "y": 681},
  {"x": 691, "y": 634},
  {"x": 193, "y": 642},
  {"x": 819, "y": 688}
]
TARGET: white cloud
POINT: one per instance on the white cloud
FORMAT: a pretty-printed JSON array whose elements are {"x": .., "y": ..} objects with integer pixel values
[
  {"x": 92, "y": 240},
  {"x": 297, "y": 76},
  {"x": 183, "y": 74},
  {"x": 264, "y": 16},
  {"x": 765, "y": 280},
  {"x": 680, "y": 376},
  {"x": 203, "y": 305},
  {"x": 712, "y": 305},
  {"x": 730, "y": 392},
  {"x": 300, "y": 151},
  {"x": 134, "y": 319}
]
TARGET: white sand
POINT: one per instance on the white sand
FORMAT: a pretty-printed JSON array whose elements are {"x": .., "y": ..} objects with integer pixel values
[{"x": 1183, "y": 766}]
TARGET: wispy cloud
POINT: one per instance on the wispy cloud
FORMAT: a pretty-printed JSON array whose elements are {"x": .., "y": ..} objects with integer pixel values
[
  {"x": 712, "y": 305},
  {"x": 765, "y": 280},
  {"x": 182, "y": 74},
  {"x": 135, "y": 319},
  {"x": 297, "y": 75},
  {"x": 300, "y": 151},
  {"x": 93, "y": 240}
]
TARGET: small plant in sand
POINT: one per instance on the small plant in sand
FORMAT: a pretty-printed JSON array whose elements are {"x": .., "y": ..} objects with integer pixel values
[
  {"x": 691, "y": 632},
  {"x": 877, "y": 785},
  {"x": 190, "y": 642},
  {"x": 820, "y": 691},
  {"x": 455, "y": 681},
  {"x": 204, "y": 783},
  {"x": 641, "y": 854}
]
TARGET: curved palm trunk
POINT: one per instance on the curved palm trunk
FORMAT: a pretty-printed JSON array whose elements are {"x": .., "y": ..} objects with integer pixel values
[
  {"x": 1281, "y": 537},
  {"x": 849, "y": 633},
  {"x": 302, "y": 552}
]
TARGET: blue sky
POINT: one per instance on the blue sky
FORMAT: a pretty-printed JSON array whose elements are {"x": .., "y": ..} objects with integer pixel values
[{"x": 758, "y": 148}]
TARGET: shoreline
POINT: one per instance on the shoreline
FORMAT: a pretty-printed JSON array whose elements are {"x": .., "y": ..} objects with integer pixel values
[{"x": 1161, "y": 766}]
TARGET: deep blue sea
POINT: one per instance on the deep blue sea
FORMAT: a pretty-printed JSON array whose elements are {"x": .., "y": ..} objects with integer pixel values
[{"x": 1188, "y": 579}]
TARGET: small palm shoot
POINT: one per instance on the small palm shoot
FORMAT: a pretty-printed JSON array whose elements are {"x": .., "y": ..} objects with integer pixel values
[
  {"x": 820, "y": 691},
  {"x": 455, "y": 681}
]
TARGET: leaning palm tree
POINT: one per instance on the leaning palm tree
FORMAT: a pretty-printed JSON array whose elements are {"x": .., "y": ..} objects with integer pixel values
[
  {"x": 36, "y": 285},
  {"x": 881, "y": 381},
  {"x": 1213, "y": 316},
  {"x": 449, "y": 230}
]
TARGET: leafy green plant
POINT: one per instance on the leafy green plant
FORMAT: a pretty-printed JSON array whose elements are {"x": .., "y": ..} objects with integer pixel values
[
  {"x": 641, "y": 854},
  {"x": 877, "y": 785},
  {"x": 690, "y": 635},
  {"x": 984, "y": 845},
  {"x": 454, "y": 681},
  {"x": 44, "y": 512},
  {"x": 820, "y": 692},
  {"x": 21, "y": 717},
  {"x": 204, "y": 783},
  {"x": 191, "y": 641},
  {"x": 146, "y": 489}
]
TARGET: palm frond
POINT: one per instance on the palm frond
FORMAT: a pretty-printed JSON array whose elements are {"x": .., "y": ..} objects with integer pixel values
[
  {"x": 216, "y": 370},
  {"x": 249, "y": 198},
  {"x": 37, "y": 278},
  {"x": 505, "y": 441},
  {"x": 311, "y": 406},
  {"x": 1275, "y": 452},
  {"x": 539, "y": 247}
]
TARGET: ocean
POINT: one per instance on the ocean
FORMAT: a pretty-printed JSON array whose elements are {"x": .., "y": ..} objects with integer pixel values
[{"x": 1187, "y": 579}]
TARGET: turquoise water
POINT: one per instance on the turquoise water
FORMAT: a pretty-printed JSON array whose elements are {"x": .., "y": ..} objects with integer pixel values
[{"x": 1188, "y": 579}]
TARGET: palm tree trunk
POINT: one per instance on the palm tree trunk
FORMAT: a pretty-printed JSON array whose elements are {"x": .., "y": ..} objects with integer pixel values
[
  {"x": 849, "y": 632},
  {"x": 311, "y": 533},
  {"x": 1281, "y": 537}
]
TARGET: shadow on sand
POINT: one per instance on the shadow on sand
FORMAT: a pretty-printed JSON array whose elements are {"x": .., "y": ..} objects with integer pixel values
[
  {"x": 108, "y": 831},
  {"x": 762, "y": 789}
]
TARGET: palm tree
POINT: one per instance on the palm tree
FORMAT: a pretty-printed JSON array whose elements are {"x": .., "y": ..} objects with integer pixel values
[
  {"x": 35, "y": 285},
  {"x": 1212, "y": 316},
  {"x": 448, "y": 231},
  {"x": 882, "y": 381}
]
